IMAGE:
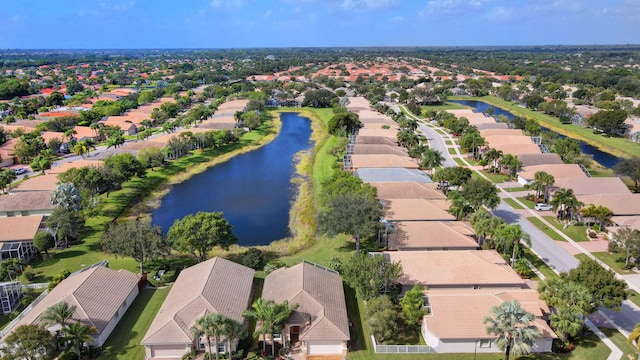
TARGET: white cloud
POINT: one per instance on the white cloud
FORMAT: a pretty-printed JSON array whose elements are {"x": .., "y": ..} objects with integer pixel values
[
  {"x": 451, "y": 7},
  {"x": 500, "y": 13},
  {"x": 367, "y": 4},
  {"x": 397, "y": 19},
  {"x": 268, "y": 13},
  {"x": 227, "y": 4}
]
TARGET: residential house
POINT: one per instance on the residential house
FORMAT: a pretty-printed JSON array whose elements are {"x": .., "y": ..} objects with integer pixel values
[
  {"x": 127, "y": 127},
  {"x": 379, "y": 149},
  {"x": 396, "y": 174},
  {"x": 26, "y": 203},
  {"x": 560, "y": 172},
  {"x": 319, "y": 325},
  {"x": 101, "y": 297},
  {"x": 539, "y": 159},
  {"x": 383, "y": 161},
  {"x": 481, "y": 270},
  {"x": 416, "y": 210},
  {"x": 430, "y": 235},
  {"x": 455, "y": 323},
  {"x": 214, "y": 286},
  {"x": 8, "y": 153},
  {"x": 408, "y": 190},
  {"x": 16, "y": 237}
]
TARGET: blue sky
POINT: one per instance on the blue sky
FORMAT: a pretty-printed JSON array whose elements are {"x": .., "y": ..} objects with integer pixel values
[{"x": 100, "y": 24}]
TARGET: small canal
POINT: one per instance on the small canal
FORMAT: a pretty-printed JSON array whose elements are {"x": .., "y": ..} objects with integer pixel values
[
  {"x": 253, "y": 190},
  {"x": 603, "y": 158}
]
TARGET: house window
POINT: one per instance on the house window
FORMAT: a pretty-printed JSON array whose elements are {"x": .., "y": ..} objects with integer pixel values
[
  {"x": 222, "y": 347},
  {"x": 277, "y": 336},
  {"x": 10, "y": 214},
  {"x": 24, "y": 213},
  {"x": 202, "y": 343},
  {"x": 484, "y": 343},
  {"x": 476, "y": 287}
]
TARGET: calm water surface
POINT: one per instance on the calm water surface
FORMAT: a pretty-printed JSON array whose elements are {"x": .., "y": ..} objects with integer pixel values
[
  {"x": 253, "y": 190},
  {"x": 603, "y": 158}
]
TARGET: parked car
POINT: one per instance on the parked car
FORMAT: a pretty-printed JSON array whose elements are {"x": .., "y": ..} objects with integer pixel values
[
  {"x": 20, "y": 171},
  {"x": 543, "y": 207}
]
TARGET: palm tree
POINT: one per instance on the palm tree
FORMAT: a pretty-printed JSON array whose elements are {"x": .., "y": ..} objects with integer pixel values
[
  {"x": 512, "y": 325},
  {"x": 603, "y": 214},
  {"x": 67, "y": 196},
  {"x": 510, "y": 236},
  {"x": 511, "y": 162},
  {"x": 283, "y": 311},
  {"x": 77, "y": 334},
  {"x": 233, "y": 330},
  {"x": 635, "y": 336},
  {"x": 261, "y": 310},
  {"x": 115, "y": 141},
  {"x": 60, "y": 313},
  {"x": 493, "y": 156},
  {"x": 211, "y": 325},
  {"x": 565, "y": 202},
  {"x": 545, "y": 180},
  {"x": 431, "y": 159},
  {"x": 589, "y": 212},
  {"x": 83, "y": 147}
]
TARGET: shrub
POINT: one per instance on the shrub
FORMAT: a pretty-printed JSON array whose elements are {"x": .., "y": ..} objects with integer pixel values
[
  {"x": 272, "y": 266},
  {"x": 68, "y": 355},
  {"x": 27, "y": 299},
  {"x": 592, "y": 234},
  {"x": 253, "y": 258},
  {"x": 29, "y": 275},
  {"x": 596, "y": 227},
  {"x": 190, "y": 355}
]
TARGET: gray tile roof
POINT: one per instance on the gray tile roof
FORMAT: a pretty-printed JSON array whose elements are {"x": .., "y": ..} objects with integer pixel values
[
  {"x": 214, "y": 286},
  {"x": 320, "y": 297}
]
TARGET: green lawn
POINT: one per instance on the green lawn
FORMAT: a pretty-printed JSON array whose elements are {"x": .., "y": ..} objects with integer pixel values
[
  {"x": 614, "y": 261},
  {"x": 576, "y": 233},
  {"x": 459, "y": 162},
  {"x": 513, "y": 203},
  {"x": 538, "y": 263},
  {"x": 451, "y": 151},
  {"x": 496, "y": 178},
  {"x": 448, "y": 142},
  {"x": 515, "y": 189},
  {"x": 547, "y": 230},
  {"x": 621, "y": 342},
  {"x": 617, "y": 146},
  {"x": 528, "y": 203},
  {"x": 447, "y": 106},
  {"x": 124, "y": 342},
  {"x": 634, "y": 297}
]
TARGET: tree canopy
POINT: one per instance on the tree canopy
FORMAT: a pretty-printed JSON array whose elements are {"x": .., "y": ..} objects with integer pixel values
[
  {"x": 370, "y": 275},
  {"x": 607, "y": 290},
  {"x": 136, "y": 239},
  {"x": 200, "y": 233}
]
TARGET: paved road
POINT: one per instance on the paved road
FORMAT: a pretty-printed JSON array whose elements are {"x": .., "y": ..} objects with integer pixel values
[
  {"x": 556, "y": 257},
  {"x": 436, "y": 142}
]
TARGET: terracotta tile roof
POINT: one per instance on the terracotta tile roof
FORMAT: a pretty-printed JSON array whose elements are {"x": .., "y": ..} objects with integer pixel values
[
  {"x": 407, "y": 190},
  {"x": 414, "y": 210},
  {"x": 47, "y": 136},
  {"x": 382, "y": 161},
  {"x": 84, "y": 132},
  {"x": 376, "y": 140},
  {"x": 368, "y": 149},
  {"x": 429, "y": 235},
  {"x": 214, "y": 286},
  {"x": 586, "y": 186},
  {"x": 462, "y": 268},
  {"x": 74, "y": 164},
  {"x": 26, "y": 201},
  {"x": 45, "y": 182},
  {"x": 320, "y": 298},
  {"x": 539, "y": 159},
  {"x": 622, "y": 204},
  {"x": 501, "y": 132},
  {"x": 518, "y": 149},
  {"x": 378, "y": 132},
  {"x": 486, "y": 126},
  {"x": 461, "y": 316},
  {"x": 98, "y": 293},
  {"x": 19, "y": 228},
  {"x": 230, "y": 107},
  {"x": 558, "y": 171}
]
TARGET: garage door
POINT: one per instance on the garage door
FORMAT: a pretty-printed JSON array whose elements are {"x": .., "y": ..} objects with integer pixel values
[
  {"x": 323, "y": 347},
  {"x": 168, "y": 351}
]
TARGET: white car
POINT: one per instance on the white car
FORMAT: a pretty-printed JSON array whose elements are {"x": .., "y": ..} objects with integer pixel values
[
  {"x": 543, "y": 207},
  {"x": 20, "y": 171}
]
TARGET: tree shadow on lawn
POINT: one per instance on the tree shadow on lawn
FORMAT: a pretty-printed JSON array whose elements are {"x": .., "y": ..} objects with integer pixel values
[{"x": 358, "y": 341}]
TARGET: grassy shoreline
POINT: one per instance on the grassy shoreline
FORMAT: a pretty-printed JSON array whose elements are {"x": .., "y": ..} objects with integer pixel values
[{"x": 616, "y": 146}]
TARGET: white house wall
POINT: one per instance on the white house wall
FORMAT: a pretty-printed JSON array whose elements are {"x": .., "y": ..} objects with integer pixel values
[{"x": 115, "y": 319}]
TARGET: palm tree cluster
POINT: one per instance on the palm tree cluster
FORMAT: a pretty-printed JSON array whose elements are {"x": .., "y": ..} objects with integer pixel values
[
  {"x": 564, "y": 201},
  {"x": 601, "y": 213},
  {"x": 73, "y": 333},
  {"x": 541, "y": 184},
  {"x": 570, "y": 302},
  {"x": 494, "y": 233},
  {"x": 407, "y": 137},
  {"x": 271, "y": 318},
  {"x": 217, "y": 326}
]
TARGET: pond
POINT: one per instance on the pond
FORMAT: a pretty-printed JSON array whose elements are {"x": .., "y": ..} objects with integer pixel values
[
  {"x": 603, "y": 158},
  {"x": 253, "y": 190}
]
